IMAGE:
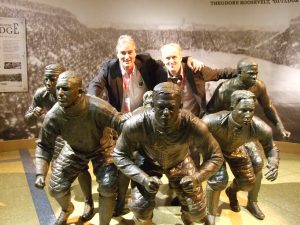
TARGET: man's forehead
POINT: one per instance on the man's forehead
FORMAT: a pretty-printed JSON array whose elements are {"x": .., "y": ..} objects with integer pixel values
[
  {"x": 51, "y": 75},
  {"x": 125, "y": 46},
  {"x": 164, "y": 97},
  {"x": 250, "y": 68},
  {"x": 247, "y": 102},
  {"x": 170, "y": 50},
  {"x": 65, "y": 81}
]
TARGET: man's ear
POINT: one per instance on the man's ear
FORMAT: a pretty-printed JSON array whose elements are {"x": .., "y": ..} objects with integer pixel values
[{"x": 81, "y": 91}]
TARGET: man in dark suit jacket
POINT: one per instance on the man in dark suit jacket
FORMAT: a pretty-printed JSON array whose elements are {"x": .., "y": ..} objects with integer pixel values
[{"x": 109, "y": 78}]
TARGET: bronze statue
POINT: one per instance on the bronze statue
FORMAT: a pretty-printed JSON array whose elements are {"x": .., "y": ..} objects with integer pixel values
[
  {"x": 80, "y": 120},
  {"x": 246, "y": 80},
  {"x": 147, "y": 103},
  {"x": 232, "y": 129},
  {"x": 163, "y": 137},
  {"x": 44, "y": 97},
  {"x": 43, "y": 100},
  {"x": 221, "y": 100}
]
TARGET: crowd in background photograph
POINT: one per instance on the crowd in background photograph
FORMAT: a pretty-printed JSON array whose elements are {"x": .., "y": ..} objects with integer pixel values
[{"x": 55, "y": 35}]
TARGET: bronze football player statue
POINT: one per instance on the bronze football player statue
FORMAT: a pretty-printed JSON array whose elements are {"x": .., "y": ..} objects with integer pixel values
[
  {"x": 43, "y": 100},
  {"x": 232, "y": 129},
  {"x": 221, "y": 100},
  {"x": 163, "y": 137},
  {"x": 81, "y": 121}
]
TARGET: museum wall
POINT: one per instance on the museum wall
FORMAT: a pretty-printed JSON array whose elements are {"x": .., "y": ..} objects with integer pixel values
[{"x": 59, "y": 32}]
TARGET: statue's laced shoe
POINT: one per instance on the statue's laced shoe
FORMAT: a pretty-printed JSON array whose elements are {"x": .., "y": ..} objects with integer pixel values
[
  {"x": 234, "y": 204},
  {"x": 64, "y": 215},
  {"x": 255, "y": 210},
  {"x": 88, "y": 211}
]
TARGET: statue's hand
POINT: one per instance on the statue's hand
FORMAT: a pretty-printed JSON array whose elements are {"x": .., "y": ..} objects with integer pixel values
[
  {"x": 285, "y": 134},
  {"x": 194, "y": 64},
  {"x": 152, "y": 184},
  {"x": 272, "y": 173},
  {"x": 189, "y": 184},
  {"x": 38, "y": 112},
  {"x": 39, "y": 181}
]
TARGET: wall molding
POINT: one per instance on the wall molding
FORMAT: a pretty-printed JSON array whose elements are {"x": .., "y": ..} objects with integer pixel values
[{"x": 16, "y": 145}]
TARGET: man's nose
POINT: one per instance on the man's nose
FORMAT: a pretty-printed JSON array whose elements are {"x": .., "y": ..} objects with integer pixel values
[
  {"x": 248, "y": 114},
  {"x": 47, "y": 81},
  {"x": 166, "y": 112},
  {"x": 127, "y": 55},
  {"x": 59, "y": 91}
]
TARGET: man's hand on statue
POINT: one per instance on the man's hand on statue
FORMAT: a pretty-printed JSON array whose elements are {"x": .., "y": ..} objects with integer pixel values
[
  {"x": 272, "y": 173},
  {"x": 152, "y": 184},
  {"x": 38, "y": 111},
  {"x": 124, "y": 117},
  {"x": 189, "y": 184},
  {"x": 194, "y": 64},
  {"x": 39, "y": 181}
]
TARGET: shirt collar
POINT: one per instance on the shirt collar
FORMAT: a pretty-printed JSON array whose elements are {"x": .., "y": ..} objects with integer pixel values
[
  {"x": 233, "y": 125},
  {"x": 123, "y": 72},
  {"x": 179, "y": 75}
]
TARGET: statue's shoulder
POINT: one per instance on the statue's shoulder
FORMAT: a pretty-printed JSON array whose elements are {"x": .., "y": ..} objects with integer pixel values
[
  {"x": 216, "y": 118},
  {"x": 40, "y": 92}
]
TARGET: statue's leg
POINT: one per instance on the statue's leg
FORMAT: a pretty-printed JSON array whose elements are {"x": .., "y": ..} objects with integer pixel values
[
  {"x": 215, "y": 185},
  {"x": 244, "y": 177},
  {"x": 142, "y": 204},
  {"x": 65, "y": 169},
  {"x": 231, "y": 193},
  {"x": 107, "y": 178},
  {"x": 106, "y": 207},
  {"x": 85, "y": 182},
  {"x": 123, "y": 183},
  {"x": 67, "y": 208},
  {"x": 257, "y": 162},
  {"x": 193, "y": 205}
]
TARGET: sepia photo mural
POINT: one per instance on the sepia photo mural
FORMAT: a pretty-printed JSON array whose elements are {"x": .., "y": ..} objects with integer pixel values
[{"x": 82, "y": 34}]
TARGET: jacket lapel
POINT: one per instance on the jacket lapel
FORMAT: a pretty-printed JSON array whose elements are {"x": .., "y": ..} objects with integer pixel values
[
  {"x": 190, "y": 78},
  {"x": 116, "y": 81}
]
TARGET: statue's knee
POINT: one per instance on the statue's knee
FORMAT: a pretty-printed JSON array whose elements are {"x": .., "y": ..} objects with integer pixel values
[
  {"x": 142, "y": 209},
  {"x": 108, "y": 186},
  {"x": 218, "y": 184},
  {"x": 57, "y": 193},
  {"x": 258, "y": 165},
  {"x": 57, "y": 188},
  {"x": 248, "y": 186}
]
